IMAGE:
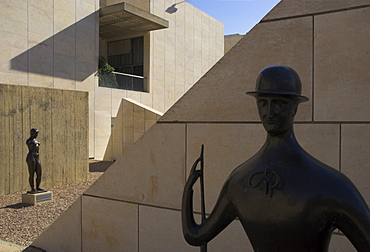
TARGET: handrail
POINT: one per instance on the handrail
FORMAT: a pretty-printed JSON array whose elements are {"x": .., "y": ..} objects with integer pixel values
[{"x": 131, "y": 75}]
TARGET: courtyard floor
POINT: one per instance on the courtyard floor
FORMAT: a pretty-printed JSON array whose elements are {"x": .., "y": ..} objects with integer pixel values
[{"x": 22, "y": 223}]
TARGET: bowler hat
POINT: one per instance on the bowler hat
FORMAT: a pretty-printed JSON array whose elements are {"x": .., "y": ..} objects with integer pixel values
[{"x": 279, "y": 80}]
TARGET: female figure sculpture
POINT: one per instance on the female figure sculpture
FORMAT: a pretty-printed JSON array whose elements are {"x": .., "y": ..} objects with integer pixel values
[
  {"x": 285, "y": 199},
  {"x": 33, "y": 161}
]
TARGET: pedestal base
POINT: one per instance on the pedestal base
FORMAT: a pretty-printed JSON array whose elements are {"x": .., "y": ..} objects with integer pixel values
[{"x": 37, "y": 198}]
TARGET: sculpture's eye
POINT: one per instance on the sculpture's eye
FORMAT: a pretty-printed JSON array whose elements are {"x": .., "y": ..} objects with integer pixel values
[
  {"x": 280, "y": 103},
  {"x": 262, "y": 102}
]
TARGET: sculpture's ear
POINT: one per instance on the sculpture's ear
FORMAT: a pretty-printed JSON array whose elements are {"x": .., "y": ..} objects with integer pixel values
[{"x": 295, "y": 111}]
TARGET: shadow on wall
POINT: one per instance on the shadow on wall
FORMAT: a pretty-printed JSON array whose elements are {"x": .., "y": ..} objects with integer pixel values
[{"x": 69, "y": 54}]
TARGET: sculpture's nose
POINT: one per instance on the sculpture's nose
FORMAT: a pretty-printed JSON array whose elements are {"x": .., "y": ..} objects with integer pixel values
[{"x": 271, "y": 111}]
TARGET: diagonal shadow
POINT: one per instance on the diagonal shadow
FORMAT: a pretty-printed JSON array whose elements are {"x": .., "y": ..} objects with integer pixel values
[{"x": 69, "y": 54}]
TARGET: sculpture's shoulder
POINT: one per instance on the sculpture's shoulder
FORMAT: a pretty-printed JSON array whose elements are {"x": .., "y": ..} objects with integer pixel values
[
  {"x": 29, "y": 141},
  {"x": 324, "y": 174},
  {"x": 332, "y": 184},
  {"x": 238, "y": 178},
  {"x": 242, "y": 170}
]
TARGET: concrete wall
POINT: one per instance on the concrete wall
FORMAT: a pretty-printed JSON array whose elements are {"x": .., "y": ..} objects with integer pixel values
[
  {"x": 62, "y": 118},
  {"x": 132, "y": 121},
  {"x": 325, "y": 41}
]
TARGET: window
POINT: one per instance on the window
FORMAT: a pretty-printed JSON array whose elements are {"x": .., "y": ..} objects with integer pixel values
[{"x": 127, "y": 56}]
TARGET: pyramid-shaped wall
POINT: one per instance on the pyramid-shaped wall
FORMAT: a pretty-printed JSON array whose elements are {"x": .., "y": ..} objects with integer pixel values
[{"x": 135, "y": 205}]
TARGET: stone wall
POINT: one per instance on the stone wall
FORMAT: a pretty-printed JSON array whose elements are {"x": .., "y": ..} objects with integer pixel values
[
  {"x": 61, "y": 116},
  {"x": 326, "y": 42}
]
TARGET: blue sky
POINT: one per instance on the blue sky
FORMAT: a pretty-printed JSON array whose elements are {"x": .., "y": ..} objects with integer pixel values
[{"x": 238, "y": 16}]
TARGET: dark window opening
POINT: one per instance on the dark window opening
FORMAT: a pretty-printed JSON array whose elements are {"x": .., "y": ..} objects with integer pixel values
[{"x": 127, "y": 57}]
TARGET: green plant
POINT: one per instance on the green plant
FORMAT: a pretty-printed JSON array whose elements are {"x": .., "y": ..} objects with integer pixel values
[{"x": 105, "y": 74}]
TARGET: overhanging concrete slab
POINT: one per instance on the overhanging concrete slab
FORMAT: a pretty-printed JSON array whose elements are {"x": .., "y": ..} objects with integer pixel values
[{"x": 123, "y": 19}]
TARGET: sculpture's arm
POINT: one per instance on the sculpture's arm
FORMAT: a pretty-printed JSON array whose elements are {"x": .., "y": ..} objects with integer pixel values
[
  {"x": 353, "y": 219},
  {"x": 221, "y": 216},
  {"x": 31, "y": 144}
]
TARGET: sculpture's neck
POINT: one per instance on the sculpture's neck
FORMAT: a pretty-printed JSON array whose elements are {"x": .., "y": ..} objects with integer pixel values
[{"x": 285, "y": 141}]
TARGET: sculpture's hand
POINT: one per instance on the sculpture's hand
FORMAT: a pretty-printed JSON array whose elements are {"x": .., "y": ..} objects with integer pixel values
[
  {"x": 193, "y": 177},
  {"x": 199, "y": 234}
]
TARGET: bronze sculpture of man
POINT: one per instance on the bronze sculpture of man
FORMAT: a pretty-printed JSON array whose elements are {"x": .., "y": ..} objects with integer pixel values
[
  {"x": 285, "y": 199},
  {"x": 33, "y": 161}
]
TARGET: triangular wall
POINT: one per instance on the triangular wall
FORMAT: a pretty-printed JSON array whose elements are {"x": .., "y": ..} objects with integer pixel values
[
  {"x": 133, "y": 119},
  {"x": 135, "y": 205}
]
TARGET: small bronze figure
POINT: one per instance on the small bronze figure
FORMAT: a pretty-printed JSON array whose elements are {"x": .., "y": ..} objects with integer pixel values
[
  {"x": 285, "y": 199},
  {"x": 33, "y": 161}
]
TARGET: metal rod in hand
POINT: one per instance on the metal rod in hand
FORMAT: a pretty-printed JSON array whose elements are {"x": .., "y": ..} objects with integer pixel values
[{"x": 203, "y": 248}]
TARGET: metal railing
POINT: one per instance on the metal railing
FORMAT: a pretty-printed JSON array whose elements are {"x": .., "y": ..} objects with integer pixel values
[
  {"x": 122, "y": 81},
  {"x": 131, "y": 75}
]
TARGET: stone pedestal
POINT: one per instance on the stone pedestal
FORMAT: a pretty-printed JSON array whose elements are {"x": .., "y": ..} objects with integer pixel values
[{"x": 37, "y": 198}]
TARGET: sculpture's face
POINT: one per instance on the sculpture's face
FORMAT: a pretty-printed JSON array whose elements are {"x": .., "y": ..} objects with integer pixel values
[
  {"x": 276, "y": 112},
  {"x": 34, "y": 134}
]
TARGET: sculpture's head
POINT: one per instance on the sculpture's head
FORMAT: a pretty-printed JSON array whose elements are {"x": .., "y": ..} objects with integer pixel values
[
  {"x": 278, "y": 93},
  {"x": 34, "y": 132}
]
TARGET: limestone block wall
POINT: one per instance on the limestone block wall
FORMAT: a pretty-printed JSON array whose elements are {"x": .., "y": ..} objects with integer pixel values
[
  {"x": 325, "y": 42},
  {"x": 182, "y": 53},
  {"x": 61, "y": 116},
  {"x": 132, "y": 121},
  {"x": 174, "y": 59}
]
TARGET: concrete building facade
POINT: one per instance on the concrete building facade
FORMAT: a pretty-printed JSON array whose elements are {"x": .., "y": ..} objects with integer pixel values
[
  {"x": 57, "y": 43},
  {"x": 326, "y": 42}
]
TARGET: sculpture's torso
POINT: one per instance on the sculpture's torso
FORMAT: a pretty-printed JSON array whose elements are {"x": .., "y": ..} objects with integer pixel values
[
  {"x": 298, "y": 214},
  {"x": 33, "y": 148}
]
